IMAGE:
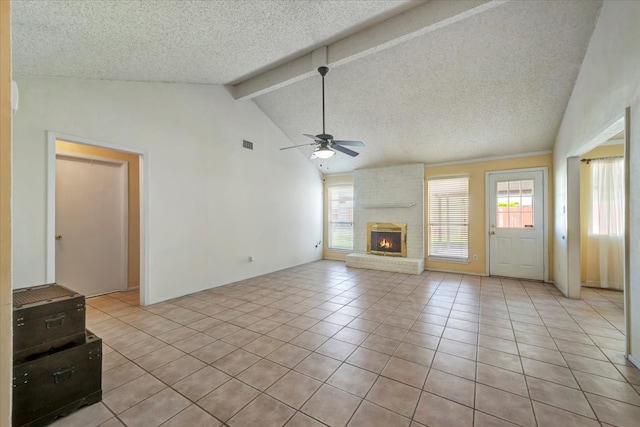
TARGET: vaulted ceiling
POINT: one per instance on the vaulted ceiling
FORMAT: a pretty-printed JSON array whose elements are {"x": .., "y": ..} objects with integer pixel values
[{"x": 417, "y": 81}]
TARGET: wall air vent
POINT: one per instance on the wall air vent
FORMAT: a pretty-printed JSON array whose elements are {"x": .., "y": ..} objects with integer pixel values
[{"x": 247, "y": 144}]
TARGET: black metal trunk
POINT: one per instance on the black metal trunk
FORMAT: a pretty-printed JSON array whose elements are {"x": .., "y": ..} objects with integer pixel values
[
  {"x": 46, "y": 317},
  {"x": 55, "y": 384}
]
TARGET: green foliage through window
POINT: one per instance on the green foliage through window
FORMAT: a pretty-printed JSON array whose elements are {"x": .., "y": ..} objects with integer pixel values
[{"x": 511, "y": 204}]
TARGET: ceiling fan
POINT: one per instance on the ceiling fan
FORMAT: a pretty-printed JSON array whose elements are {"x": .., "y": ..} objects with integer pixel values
[{"x": 327, "y": 146}]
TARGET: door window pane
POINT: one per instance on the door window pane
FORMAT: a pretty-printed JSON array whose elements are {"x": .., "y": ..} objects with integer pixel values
[{"x": 514, "y": 205}]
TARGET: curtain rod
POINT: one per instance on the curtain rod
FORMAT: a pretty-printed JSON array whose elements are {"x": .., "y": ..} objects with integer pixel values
[{"x": 587, "y": 161}]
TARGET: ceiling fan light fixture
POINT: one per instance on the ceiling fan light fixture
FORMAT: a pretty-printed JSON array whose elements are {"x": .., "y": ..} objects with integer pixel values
[{"x": 324, "y": 152}]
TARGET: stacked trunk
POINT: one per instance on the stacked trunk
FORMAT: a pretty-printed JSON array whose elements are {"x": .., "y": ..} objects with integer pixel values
[{"x": 57, "y": 363}]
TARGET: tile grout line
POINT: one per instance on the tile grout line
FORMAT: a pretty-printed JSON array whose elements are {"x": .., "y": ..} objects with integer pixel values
[
  {"x": 568, "y": 365},
  {"x": 322, "y": 296},
  {"x": 524, "y": 372}
]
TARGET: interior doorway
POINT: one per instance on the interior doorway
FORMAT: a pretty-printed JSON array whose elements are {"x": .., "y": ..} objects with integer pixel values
[
  {"x": 101, "y": 224},
  {"x": 598, "y": 243},
  {"x": 602, "y": 226}
]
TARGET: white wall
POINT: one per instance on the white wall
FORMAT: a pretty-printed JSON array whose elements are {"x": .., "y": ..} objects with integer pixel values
[
  {"x": 609, "y": 81},
  {"x": 384, "y": 186},
  {"x": 212, "y": 203}
]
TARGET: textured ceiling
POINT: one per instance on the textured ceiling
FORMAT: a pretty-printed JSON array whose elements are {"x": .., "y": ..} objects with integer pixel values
[
  {"x": 492, "y": 84},
  {"x": 212, "y": 41}
]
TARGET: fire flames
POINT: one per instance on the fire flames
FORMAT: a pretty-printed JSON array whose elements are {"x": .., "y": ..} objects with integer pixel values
[{"x": 385, "y": 243}]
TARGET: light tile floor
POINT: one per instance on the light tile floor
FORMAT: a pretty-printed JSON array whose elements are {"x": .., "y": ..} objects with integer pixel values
[{"x": 323, "y": 344}]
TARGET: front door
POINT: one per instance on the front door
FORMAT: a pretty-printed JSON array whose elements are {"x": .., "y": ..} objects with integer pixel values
[
  {"x": 90, "y": 225},
  {"x": 516, "y": 224}
]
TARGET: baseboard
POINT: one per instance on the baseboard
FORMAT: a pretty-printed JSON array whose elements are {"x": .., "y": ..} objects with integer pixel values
[
  {"x": 335, "y": 256},
  {"x": 466, "y": 273},
  {"x": 634, "y": 361},
  {"x": 553, "y": 282}
]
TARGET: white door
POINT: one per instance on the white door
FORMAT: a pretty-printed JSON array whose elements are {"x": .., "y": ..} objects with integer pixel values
[
  {"x": 91, "y": 225},
  {"x": 516, "y": 227}
]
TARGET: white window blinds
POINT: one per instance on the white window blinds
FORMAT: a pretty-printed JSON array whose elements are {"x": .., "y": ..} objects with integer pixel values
[{"x": 449, "y": 218}]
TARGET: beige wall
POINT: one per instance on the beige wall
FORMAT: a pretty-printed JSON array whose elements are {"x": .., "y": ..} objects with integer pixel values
[
  {"x": 585, "y": 185},
  {"x": 133, "y": 163},
  {"x": 329, "y": 181},
  {"x": 477, "y": 233},
  {"x": 5, "y": 215},
  {"x": 477, "y": 236}
]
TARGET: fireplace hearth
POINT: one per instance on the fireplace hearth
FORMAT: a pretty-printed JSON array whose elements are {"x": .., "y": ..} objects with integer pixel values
[{"x": 387, "y": 239}]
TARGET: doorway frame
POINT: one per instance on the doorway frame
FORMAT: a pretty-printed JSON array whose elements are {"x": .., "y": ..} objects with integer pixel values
[
  {"x": 545, "y": 216},
  {"x": 52, "y": 137},
  {"x": 621, "y": 122}
]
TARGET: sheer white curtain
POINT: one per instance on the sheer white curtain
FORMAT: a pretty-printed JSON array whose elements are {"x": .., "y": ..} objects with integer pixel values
[{"x": 605, "y": 243}]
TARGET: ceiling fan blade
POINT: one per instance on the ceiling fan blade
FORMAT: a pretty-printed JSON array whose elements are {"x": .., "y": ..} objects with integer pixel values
[
  {"x": 296, "y": 146},
  {"x": 344, "y": 150},
  {"x": 349, "y": 143}
]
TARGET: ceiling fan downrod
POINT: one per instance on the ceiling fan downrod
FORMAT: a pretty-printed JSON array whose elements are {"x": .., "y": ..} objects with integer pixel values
[{"x": 323, "y": 72}]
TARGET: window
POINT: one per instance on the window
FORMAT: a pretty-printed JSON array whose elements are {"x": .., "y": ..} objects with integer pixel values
[
  {"x": 515, "y": 204},
  {"x": 341, "y": 217},
  {"x": 607, "y": 197},
  {"x": 449, "y": 218}
]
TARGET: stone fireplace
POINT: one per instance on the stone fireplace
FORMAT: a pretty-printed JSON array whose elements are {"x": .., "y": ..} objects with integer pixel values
[
  {"x": 387, "y": 238},
  {"x": 392, "y": 195}
]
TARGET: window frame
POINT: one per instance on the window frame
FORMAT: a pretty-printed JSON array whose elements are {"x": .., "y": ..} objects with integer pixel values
[{"x": 330, "y": 222}]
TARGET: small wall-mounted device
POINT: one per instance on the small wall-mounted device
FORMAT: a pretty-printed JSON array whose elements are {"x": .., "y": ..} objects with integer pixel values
[{"x": 251, "y": 259}]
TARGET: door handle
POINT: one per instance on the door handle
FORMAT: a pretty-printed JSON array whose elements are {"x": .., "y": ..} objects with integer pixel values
[
  {"x": 492, "y": 232},
  {"x": 58, "y": 236}
]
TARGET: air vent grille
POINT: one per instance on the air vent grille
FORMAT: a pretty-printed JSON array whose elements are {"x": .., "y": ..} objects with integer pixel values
[{"x": 247, "y": 144}]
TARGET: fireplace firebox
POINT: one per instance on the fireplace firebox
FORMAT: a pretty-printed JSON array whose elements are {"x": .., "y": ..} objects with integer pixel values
[{"x": 387, "y": 238}]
